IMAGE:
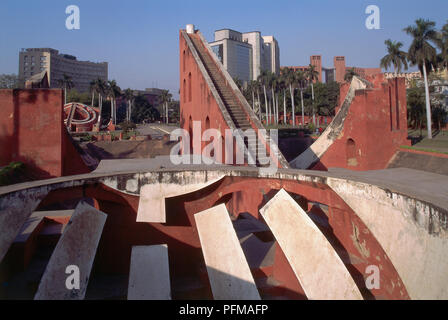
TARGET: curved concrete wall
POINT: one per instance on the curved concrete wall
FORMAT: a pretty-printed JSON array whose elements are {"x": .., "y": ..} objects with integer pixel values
[{"x": 408, "y": 219}]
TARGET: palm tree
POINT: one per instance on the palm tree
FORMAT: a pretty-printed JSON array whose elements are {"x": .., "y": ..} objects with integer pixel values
[
  {"x": 92, "y": 90},
  {"x": 275, "y": 83},
  {"x": 251, "y": 88},
  {"x": 312, "y": 75},
  {"x": 114, "y": 92},
  {"x": 166, "y": 98},
  {"x": 66, "y": 83},
  {"x": 284, "y": 85},
  {"x": 263, "y": 78},
  {"x": 301, "y": 80},
  {"x": 423, "y": 54},
  {"x": 394, "y": 57},
  {"x": 256, "y": 87},
  {"x": 349, "y": 74},
  {"x": 100, "y": 88},
  {"x": 290, "y": 81},
  {"x": 129, "y": 96}
]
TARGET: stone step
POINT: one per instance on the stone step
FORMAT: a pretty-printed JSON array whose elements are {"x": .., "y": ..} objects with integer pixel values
[
  {"x": 149, "y": 276},
  {"x": 227, "y": 267},
  {"x": 318, "y": 261},
  {"x": 73, "y": 249}
]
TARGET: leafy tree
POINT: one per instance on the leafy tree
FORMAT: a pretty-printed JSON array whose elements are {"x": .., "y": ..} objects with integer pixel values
[
  {"x": 350, "y": 74},
  {"x": 75, "y": 96},
  {"x": 143, "y": 111},
  {"x": 326, "y": 98},
  {"x": 416, "y": 107},
  {"x": 9, "y": 81}
]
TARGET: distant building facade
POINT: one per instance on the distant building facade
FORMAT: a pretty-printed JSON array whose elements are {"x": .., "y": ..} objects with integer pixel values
[
  {"x": 408, "y": 76},
  {"x": 246, "y": 55},
  {"x": 33, "y": 61},
  {"x": 337, "y": 73}
]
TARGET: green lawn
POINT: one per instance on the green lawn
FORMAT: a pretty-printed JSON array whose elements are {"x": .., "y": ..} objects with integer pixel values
[{"x": 439, "y": 142}]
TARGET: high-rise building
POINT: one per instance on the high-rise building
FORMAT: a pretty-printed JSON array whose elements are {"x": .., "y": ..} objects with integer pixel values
[
  {"x": 246, "y": 55},
  {"x": 271, "y": 54},
  {"x": 37, "y": 60}
]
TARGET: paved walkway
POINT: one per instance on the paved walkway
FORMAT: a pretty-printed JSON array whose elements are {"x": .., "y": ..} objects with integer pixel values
[
  {"x": 155, "y": 130},
  {"x": 427, "y": 186}
]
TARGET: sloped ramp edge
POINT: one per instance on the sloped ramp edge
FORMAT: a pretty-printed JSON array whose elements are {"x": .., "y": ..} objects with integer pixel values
[{"x": 314, "y": 152}]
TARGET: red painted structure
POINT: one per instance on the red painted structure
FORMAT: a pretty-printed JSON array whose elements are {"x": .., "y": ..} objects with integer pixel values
[
  {"x": 316, "y": 61},
  {"x": 82, "y": 118},
  {"x": 196, "y": 99},
  {"x": 32, "y": 131},
  {"x": 198, "y": 103},
  {"x": 344, "y": 230},
  {"x": 340, "y": 68},
  {"x": 375, "y": 126}
]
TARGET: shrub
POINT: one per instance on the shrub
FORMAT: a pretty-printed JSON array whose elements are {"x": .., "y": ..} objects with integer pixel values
[
  {"x": 126, "y": 126},
  {"x": 12, "y": 173}
]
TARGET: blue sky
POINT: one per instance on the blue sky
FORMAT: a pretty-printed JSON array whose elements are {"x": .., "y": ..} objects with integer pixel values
[{"x": 139, "y": 38}]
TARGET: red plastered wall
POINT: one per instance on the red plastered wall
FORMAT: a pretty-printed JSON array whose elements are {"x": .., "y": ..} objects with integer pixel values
[
  {"x": 373, "y": 127},
  {"x": 196, "y": 99},
  {"x": 32, "y": 131}
]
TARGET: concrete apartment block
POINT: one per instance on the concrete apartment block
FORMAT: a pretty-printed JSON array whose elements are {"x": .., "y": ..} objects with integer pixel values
[{"x": 36, "y": 60}]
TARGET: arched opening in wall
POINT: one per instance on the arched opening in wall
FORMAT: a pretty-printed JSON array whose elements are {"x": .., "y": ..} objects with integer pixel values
[
  {"x": 184, "y": 87},
  {"x": 207, "y": 126},
  {"x": 189, "y": 87},
  {"x": 183, "y": 61},
  {"x": 190, "y": 133},
  {"x": 351, "y": 153}
]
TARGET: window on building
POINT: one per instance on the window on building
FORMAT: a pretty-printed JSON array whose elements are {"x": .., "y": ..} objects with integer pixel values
[
  {"x": 218, "y": 51},
  {"x": 244, "y": 63}
]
